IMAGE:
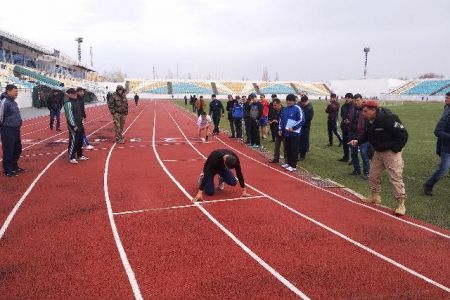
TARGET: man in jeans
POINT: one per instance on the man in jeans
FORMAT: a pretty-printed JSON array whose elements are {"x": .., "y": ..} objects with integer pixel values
[
  {"x": 388, "y": 136},
  {"x": 356, "y": 127},
  {"x": 345, "y": 109},
  {"x": 230, "y": 105},
  {"x": 442, "y": 132},
  {"x": 333, "y": 112},
  {"x": 54, "y": 104}
]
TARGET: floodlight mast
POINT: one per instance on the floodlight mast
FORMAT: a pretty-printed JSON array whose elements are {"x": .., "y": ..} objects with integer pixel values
[
  {"x": 366, "y": 53},
  {"x": 79, "y": 40}
]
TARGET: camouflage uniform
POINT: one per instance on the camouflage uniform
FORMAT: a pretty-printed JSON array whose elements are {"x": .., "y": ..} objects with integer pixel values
[{"x": 118, "y": 106}]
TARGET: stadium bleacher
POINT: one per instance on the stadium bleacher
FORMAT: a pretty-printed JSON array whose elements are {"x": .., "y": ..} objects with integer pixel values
[
  {"x": 444, "y": 91},
  {"x": 159, "y": 87},
  {"x": 190, "y": 88},
  {"x": 277, "y": 89},
  {"x": 427, "y": 87},
  {"x": 39, "y": 77}
]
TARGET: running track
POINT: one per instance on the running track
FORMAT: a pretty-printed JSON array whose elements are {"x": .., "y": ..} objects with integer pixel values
[{"x": 122, "y": 225}]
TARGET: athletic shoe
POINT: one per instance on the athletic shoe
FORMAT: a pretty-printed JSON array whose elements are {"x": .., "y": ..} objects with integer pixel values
[
  {"x": 427, "y": 190},
  {"x": 19, "y": 170},
  {"x": 73, "y": 161},
  {"x": 354, "y": 173},
  {"x": 10, "y": 174},
  {"x": 121, "y": 142},
  {"x": 285, "y": 166},
  {"x": 89, "y": 147},
  {"x": 200, "y": 179},
  {"x": 291, "y": 169},
  {"x": 83, "y": 158},
  {"x": 374, "y": 198},
  {"x": 343, "y": 160},
  {"x": 274, "y": 161},
  {"x": 206, "y": 138},
  {"x": 255, "y": 146},
  {"x": 221, "y": 184}
]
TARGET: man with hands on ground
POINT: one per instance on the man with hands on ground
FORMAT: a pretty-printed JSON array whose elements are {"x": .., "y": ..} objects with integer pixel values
[{"x": 220, "y": 162}]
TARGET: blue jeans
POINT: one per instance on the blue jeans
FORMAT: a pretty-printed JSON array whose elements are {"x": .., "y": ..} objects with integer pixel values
[
  {"x": 53, "y": 114},
  {"x": 363, "y": 148},
  {"x": 443, "y": 167},
  {"x": 227, "y": 176}
]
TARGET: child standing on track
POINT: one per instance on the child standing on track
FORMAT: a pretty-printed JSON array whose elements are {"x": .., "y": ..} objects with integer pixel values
[{"x": 204, "y": 122}]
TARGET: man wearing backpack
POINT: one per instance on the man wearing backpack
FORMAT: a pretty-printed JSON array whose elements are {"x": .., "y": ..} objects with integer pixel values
[
  {"x": 237, "y": 115},
  {"x": 216, "y": 111},
  {"x": 230, "y": 105},
  {"x": 256, "y": 110},
  {"x": 388, "y": 136}
]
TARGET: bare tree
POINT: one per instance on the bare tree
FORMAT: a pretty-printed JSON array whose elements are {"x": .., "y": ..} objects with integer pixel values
[
  {"x": 276, "y": 77},
  {"x": 431, "y": 75},
  {"x": 114, "y": 75},
  {"x": 189, "y": 76},
  {"x": 265, "y": 75}
]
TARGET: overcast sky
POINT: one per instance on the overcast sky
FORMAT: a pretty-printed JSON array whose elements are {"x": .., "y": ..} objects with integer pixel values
[{"x": 228, "y": 39}]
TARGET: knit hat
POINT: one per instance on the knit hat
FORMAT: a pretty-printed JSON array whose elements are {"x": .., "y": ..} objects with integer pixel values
[{"x": 370, "y": 104}]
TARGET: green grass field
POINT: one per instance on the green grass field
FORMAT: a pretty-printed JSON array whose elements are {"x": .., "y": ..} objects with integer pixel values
[{"x": 419, "y": 155}]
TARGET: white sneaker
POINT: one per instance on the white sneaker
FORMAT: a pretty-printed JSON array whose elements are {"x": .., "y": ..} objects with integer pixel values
[
  {"x": 291, "y": 169},
  {"x": 89, "y": 147},
  {"x": 285, "y": 166},
  {"x": 83, "y": 158},
  {"x": 221, "y": 184},
  {"x": 73, "y": 161}
]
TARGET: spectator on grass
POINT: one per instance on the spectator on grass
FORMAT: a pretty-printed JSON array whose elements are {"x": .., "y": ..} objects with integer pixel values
[
  {"x": 220, "y": 162},
  {"x": 308, "y": 112},
  {"x": 277, "y": 107},
  {"x": 230, "y": 104},
  {"x": 291, "y": 122},
  {"x": 255, "y": 113},
  {"x": 185, "y": 100},
  {"x": 333, "y": 111},
  {"x": 216, "y": 110},
  {"x": 442, "y": 132},
  {"x": 264, "y": 121},
  {"x": 345, "y": 124},
  {"x": 388, "y": 136},
  {"x": 10, "y": 123},
  {"x": 55, "y": 103},
  {"x": 273, "y": 119},
  {"x": 237, "y": 113},
  {"x": 74, "y": 116},
  {"x": 204, "y": 123},
  {"x": 247, "y": 103},
  {"x": 80, "y": 99},
  {"x": 356, "y": 127},
  {"x": 136, "y": 99},
  {"x": 118, "y": 107}
]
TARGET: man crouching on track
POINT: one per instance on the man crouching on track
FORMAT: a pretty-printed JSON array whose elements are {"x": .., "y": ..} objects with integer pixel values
[{"x": 220, "y": 162}]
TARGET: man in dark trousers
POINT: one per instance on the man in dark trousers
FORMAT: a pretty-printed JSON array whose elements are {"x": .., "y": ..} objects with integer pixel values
[
  {"x": 388, "y": 136},
  {"x": 356, "y": 127},
  {"x": 136, "y": 99},
  {"x": 333, "y": 112},
  {"x": 54, "y": 104},
  {"x": 345, "y": 109},
  {"x": 247, "y": 103},
  {"x": 237, "y": 113},
  {"x": 256, "y": 110},
  {"x": 10, "y": 123},
  {"x": 74, "y": 116},
  {"x": 274, "y": 120},
  {"x": 308, "y": 112},
  {"x": 220, "y": 162},
  {"x": 216, "y": 111},
  {"x": 80, "y": 99},
  {"x": 442, "y": 132},
  {"x": 230, "y": 105}
]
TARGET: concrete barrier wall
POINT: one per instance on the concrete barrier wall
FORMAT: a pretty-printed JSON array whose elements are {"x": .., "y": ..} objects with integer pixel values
[{"x": 24, "y": 100}]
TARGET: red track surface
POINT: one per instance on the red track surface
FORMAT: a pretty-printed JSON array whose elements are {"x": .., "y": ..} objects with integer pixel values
[{"x": 299, "y": 240}]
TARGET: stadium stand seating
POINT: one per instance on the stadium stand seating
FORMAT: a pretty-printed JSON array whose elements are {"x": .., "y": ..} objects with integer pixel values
[
  {"x": 39, "y": 77},
  {"x": 21, "y": 84},
  {"x": 159, "y": 87},
  {"x": 427, "y": 87},
  {"x": 404, "y": 87},
  {"x": 190, "y": 88},
  {"x": 444, "y": 91},
  {"x": 277, "y": 88},
  {"x": 310, "y": 89},
  {"x": 231, "y": 87}
]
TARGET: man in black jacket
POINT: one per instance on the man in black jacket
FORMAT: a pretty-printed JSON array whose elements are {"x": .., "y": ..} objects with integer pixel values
[
  {"x": 442, "y": 132},
  {"x": 273, "y": 118},
  {"x": 54, "y": 104},
  {"x": 333, "y": 114},
  {"x": 256, "y": 110},
  {"x": 230, "y": 105},
  {"x": 220, "y": 162},
  {"x": 386, "y": 133},
  {"x": 216, "y": 111},
  {"x": 247, "y": 103},
  {"x": 345, "y": 109},
  {"x": 308, "y": 111}
]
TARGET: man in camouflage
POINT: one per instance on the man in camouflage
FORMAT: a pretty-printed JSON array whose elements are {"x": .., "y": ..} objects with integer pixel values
[{"x": 118, "y": 106}]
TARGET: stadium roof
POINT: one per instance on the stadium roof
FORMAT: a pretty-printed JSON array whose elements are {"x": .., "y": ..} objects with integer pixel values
[{"x": 25, "y": 43}]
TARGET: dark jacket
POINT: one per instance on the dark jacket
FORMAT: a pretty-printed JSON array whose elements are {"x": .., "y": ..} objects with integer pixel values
[
  {"x": 442, "y": 132},
  {"x": 230, "y": 105},
  {"x": 274, "y": 115},
  {"x": 216, "y": 108},
  {"x": 80, "y": 101},
  {"x": 357, "y": 123},
  {"x": 118, "y": 104},
  {"x": 9, "y": 113},
  {"x": 55, "y": 102},
  {"x": 136, "y": 97},
  {"x": 385, "y": 133},
  {"x": 74, "y": 114},
  {"x": 308, "y": 111},
  {"x": 345, "y": 110},
  {"x": 215, "y": 164},
  {"x": 247, "y": 109},
  {"x": 257, "y": 106},
  {"x": 333, "y": 111}
]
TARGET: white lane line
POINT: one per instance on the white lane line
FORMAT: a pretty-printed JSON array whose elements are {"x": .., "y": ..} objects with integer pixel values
[
  {"x": 123, "y": 255},
  {"x": 337, "y": 233},
  {"x": 185, "y": 206},
  {"x": 252, "y": 254},
  {"x": 32, "y": 185},
  {"x": 373, "y": 208}
]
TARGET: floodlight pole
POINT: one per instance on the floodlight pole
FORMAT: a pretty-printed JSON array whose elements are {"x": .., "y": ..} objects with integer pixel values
[
  {"x": 79, "y": 40},
  {"x": 366, "y": 52}
]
